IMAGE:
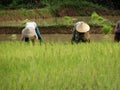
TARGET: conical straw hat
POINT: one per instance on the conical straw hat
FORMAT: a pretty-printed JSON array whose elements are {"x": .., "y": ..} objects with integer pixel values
[{"x": 83, "y": 27}]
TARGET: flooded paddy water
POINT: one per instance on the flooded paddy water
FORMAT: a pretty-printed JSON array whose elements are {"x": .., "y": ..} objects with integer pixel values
[
  {"x": 57, "y": 37},
  {"x": 54, "y": 33}
]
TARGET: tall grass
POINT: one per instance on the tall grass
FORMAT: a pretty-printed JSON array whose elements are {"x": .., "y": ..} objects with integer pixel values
[{"x": 59, "y": 66}]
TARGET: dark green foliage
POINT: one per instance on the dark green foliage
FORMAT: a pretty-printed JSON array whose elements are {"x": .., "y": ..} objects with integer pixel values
[
  {"x": 113, "y": 4},
  {"x": 14, "y": 4},
  {"x": 5, "y": 2}
]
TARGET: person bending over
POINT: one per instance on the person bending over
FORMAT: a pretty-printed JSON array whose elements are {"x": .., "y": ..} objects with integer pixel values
[
  {"x": 31, "y": 32},
  {"x": 80, "y": 32}
]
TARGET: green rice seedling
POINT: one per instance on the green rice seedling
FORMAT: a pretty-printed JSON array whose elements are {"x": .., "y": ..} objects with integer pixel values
[
  {"x": 67, "y": 20},
  {"x": 96, "y": 19},
  {"x": 59, "y": 66},
  {"x": 106, "y": 28},
  {"x": 13, "y": 36}
]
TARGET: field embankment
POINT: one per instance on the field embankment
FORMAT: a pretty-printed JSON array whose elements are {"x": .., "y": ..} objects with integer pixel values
[
  {"x": 51, "y": 30},
  {"x": 11, "y": 20}
]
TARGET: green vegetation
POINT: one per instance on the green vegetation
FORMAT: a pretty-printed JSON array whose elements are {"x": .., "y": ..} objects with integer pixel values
[
  {"x": 15, "y": 4},
  {"x": 100, "y": 21},
  {"x": 59, "y": 66},
  {"x": 52, "y": 4},
  {"x": 44, "y": 12},
  {"x": 67, "y": 20},
  {"x": 106, "y": 28},
  {"x": 97, "y": 19},
  {"x": 53, "y": 21}
]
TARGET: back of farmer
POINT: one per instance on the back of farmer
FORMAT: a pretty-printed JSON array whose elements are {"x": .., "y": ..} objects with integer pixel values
[
  {"x": 81, "y": 32},
  {"x": 117, "y": 32},
  {"x": 31, "y": 32}
]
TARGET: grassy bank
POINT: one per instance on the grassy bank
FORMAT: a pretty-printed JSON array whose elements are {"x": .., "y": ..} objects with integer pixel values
[
  {"x": 52, "y": 21},
  {"x": 45, "y": 17},
  {"x": 58, "y": 66},
  {"x": 55, "y": 21}
]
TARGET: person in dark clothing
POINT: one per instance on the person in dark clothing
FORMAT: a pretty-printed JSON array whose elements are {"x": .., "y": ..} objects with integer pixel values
[
  {"x": 80, "y": 33},
  {"x": 80, "y": 37},
  {"x": 117, "y": 32}
]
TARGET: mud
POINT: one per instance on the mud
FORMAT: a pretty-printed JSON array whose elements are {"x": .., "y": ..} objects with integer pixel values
[{"x": 50, "y": 30}]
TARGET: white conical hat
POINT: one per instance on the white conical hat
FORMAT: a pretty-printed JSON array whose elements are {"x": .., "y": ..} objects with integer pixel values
[{"x": 82, "y": 27}]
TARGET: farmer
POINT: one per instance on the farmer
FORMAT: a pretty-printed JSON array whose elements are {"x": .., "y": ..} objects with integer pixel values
[
  {"x": 31, "y": 31},
  {"x": 117, "y": 32},
  {"x": 81, "y": 32}
]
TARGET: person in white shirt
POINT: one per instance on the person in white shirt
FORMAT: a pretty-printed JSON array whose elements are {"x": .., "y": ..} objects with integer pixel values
[
  {"x": 31, "y": 32},
  {"x": 80, "y": 32}
]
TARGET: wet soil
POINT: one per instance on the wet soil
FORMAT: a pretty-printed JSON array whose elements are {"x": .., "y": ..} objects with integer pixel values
[{"x": 50, "y": 30}]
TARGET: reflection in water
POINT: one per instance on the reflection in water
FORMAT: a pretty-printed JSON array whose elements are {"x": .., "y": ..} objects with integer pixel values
[{"x": 57, "y": 37}]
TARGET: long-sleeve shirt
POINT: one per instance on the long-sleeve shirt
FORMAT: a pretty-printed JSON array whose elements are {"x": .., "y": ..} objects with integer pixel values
[
  {"x": 29, "y": 30},
  {"x": 31, "y": 25}
]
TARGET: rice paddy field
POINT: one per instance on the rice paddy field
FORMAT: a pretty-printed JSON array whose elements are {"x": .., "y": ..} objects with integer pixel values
[
  {"x": 59, "y": 66},
  {"x": 56, "y": 64}
]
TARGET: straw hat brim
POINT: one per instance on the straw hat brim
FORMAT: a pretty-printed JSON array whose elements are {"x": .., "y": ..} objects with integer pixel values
[{"x": 83, "y": 27}]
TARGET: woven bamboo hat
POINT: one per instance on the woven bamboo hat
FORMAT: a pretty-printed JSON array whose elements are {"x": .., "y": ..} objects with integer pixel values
[{"x": 82, "y": 27}]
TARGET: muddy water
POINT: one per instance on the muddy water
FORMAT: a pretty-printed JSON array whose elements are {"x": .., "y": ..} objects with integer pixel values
[{"x": 56, "y": 37}]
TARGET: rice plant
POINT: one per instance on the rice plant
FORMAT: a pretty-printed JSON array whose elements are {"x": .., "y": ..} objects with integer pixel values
[{"x": 59, "y": 66}]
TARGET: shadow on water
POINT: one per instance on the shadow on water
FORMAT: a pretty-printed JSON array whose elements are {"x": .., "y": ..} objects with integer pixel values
[{"x": 57, "y": 37}]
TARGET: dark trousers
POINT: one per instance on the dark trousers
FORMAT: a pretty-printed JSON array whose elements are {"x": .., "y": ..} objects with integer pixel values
[
  {"x": 117, "y": 36},
  {"x": 26, "y": 39},
  {"x": 79, "y": 37}
]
